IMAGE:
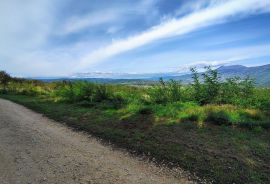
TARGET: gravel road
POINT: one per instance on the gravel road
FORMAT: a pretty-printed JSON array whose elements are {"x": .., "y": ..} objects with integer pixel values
[{"x": 34, "y": 149}]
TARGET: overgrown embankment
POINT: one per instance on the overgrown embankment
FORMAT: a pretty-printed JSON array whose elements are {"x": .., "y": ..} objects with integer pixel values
[{"x": 216, "y": 129}]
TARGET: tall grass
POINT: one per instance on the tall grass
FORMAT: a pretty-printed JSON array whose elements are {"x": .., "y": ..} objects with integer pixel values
[
  {"x": 233, "y": 101},
  {"x": 88, "y": 94},
  {"x": 165, "y": 92}
]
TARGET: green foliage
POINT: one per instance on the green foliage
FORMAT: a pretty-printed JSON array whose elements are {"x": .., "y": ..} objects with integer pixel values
[
  {"x": 208, "y": 91},
  {"x": 102, "y": 93},
  {"x": 88, "y": 94},
  {"x": 261, "y": 99},
  {"x": 191, "y": 117},
  {"x": 231, "y": 115},
  {"x": 219, "y": 118},
  {"x": 212, "y": 85},
  {"x": 165, "y": 92},
  {"x": 163, "y": 119},
  {"x": 237, "y": 91},
  {"x": 146, "y": 110},
  {"x": 219, "y": 153},
  {"x": 212, "y": 90},
  {"x": 198, "y": 92},
  {"x": 233, "y": 101},
  {"x": 4, "y": 80}
]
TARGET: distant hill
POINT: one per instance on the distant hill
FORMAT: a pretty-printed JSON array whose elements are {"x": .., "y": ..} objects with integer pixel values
[
  {"x": 260, "y": 73},
  {"x": 102, "y": 80}
]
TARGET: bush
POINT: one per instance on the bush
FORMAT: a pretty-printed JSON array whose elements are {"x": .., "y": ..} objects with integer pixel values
[
  {"x": 251, "y": 115},
  {"x": 265, "y": 105},
  {"x": 85, "y": 91},
  {"x": 117, "y": 100},
  {"x": 208, "y": 98},
  {"x": 208, "y": 91},
  {"x": 165, "y": 92},
  {"x": 5, "y": 78},
  {"x": 145, "y": 110},
  {"x": 212, "y": 90},
  {"x": 219, "y": 118},
  {"x": 102, "y": 93},
  {"x": 85, "y": 103},
  {"x": 191, "y": 117}
]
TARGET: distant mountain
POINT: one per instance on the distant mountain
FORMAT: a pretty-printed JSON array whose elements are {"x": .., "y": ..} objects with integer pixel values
[
  {"x": 101, "y": 80},
  {"x": 111, "y": 75},
  {"x": 260, "y": 73}
]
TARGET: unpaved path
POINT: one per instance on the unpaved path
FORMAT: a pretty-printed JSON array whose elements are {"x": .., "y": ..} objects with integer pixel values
[{"x": 34, "y": 149}]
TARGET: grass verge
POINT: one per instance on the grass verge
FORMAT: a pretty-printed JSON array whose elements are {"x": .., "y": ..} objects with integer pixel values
[{"x": 219, "y": 153}]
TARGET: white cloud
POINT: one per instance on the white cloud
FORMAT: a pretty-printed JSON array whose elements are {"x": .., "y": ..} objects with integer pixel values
[
  {"x": 24, "y": 24},
  {"x": 182, "y": 60},
  {"x": 28, "y": 47},
  {"x": 213, "y": 63},
  {"x": 196, "y": 5},
  {"x": 107, "y": 16},
  {"x": 113, "y": 29},
  {"x": 175, "y": 27},
  {"x": 76, "y": 24}
]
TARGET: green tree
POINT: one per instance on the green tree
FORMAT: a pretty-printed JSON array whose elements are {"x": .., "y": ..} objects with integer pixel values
[
  {"x": 5, "y": 78},
  {"x": 230, "y": 91},
  {"x": 247, "y": 87},
  {"x": 164, "y": 92},
  {"x": 208, "y": 91},
  {"x": 198, "y": 88},
  {"x": 174, "y": 89},
  {"x": 212, "y": 85}
]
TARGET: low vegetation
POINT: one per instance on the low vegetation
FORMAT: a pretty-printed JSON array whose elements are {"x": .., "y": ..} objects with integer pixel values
[{"x": 217, "y": 129}]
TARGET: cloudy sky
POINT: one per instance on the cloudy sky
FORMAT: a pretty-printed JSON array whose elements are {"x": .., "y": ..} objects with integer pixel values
[{"x": 63, "y": 37}]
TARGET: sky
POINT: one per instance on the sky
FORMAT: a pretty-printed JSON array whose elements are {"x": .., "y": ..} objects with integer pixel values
[{"x": 65, "y": 37}]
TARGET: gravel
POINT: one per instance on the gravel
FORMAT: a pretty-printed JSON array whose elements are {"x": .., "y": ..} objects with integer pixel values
[{"x": 35, "y": 149}]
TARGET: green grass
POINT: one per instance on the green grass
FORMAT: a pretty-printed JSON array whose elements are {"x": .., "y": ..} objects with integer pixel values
[
  {"x": 175, "y": 132},
  {"x": 216, "y": 129}
]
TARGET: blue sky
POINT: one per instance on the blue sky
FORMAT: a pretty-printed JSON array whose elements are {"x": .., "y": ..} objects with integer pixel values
[{"x": 65, "y": 37}]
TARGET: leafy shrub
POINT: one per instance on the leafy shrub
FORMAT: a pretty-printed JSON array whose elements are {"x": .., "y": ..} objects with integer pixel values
[
  {"x": 251, "y": 115},
  {"x": 230, "y": 91},
  {"x": 87, "y": 92},
  {"x": 165, "y": 92},
  {"x": 257, "y": 129},
  {"x": 145, "y": 110},
  {"x": 159, "y": 93},
  {"x": 212, "y": 85},
  {"x": 117, "y": 100},
  {"x": 102, "y": 93},
  {"x": 265, "y": 105},
  {"x": 208, "y": 91},
  {"x": 85, "y": 103},
  {"x": 218, "y": 118},
  {"x": 198, "y": 90},
  {"x": 191, "y": 117},
  {"x": 212, "y": 90},
  {"x": 5, "y": 78},
  {"x": 232, "y": 101},
  {"x": 174, "y": 91}
]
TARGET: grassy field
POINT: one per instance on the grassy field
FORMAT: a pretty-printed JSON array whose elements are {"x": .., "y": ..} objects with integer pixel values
[
  {"x": 219, "y": 130},
  {"x": 219, "y": 153}
]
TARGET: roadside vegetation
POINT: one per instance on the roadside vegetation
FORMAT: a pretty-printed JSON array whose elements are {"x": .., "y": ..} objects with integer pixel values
[{"x": 217, "y": 129}]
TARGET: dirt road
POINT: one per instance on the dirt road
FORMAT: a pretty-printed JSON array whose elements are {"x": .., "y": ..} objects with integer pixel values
[{"x": 34, "y": 149}]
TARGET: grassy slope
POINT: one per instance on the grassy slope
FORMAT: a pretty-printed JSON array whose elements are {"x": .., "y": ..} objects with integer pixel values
[{"x": 218, "y": 153}]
